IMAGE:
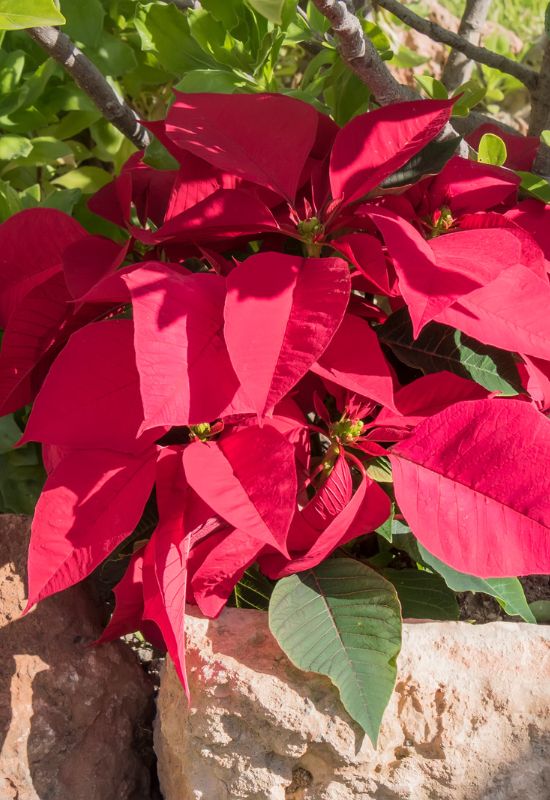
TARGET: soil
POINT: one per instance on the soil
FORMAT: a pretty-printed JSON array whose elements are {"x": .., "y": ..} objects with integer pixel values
[{"x": 483, "y": 608}]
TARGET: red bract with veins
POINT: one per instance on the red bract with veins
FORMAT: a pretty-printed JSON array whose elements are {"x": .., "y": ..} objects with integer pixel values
[{"x": 280, "y": 324}]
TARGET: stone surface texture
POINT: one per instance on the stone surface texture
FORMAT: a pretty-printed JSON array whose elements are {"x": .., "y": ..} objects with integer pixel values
[
  {"x": 70, "y": 715},
  {"x": 469, "y": 719}
]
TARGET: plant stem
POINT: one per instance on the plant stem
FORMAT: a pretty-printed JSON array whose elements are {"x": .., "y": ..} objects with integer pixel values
[
  {"x": 458, "y": 68},
  {"x": 432, "y": 30},
  {"x": 88, "y": 77}
]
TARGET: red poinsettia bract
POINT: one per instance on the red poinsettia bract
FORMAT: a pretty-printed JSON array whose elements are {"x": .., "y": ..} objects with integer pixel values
[{"x": 230, "y": 364}]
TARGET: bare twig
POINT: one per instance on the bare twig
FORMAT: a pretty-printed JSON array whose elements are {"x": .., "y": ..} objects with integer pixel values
[
  {"x": 540, "y": 112},
  {"x": 362, "y": 57},
  {"x": 435, "y": 32},
  {"x": 360, "y": 54},
  {"x": 458, "y": 68},
  {"x": 92, "y": 82}
]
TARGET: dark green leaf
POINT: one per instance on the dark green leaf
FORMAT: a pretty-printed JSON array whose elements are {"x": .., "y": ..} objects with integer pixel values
[
  {"x": 423, "y": 595},
  {"x": 440, "y": 347},
  {"x": 253, "y": 590},
  {"x": 541, "y": 611},
  {"x": 507, "y": 591},
  {"x": 429, "y": 161},
  {"x": 342, "y": 619}
]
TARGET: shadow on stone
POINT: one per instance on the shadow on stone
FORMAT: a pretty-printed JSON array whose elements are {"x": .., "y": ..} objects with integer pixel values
[{"x": 74, "y": 719}]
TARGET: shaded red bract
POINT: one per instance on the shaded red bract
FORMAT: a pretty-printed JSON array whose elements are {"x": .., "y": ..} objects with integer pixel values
[{"x": 224, "y": 361}]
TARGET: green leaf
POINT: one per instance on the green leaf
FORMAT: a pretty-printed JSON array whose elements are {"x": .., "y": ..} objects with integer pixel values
[
  {"x": 507, "y": 591},
  {"x": 14, "y": 147},
  {"x": 10, "y": 202},
  {"x": 19, "y": 14},
  {"x": 429, "y": 161},
  {"x": 423, "y": 595},
  {"x": 62, "y": 199},
  {"x": 10, "y": 433},
  {"x": 545, "y": 137},
  {"x": 84, "y": 21},
  {"x": 21, "y": 480},
  {"x": 433, "y": 88},
  {"x": 393, "y": 527},
  {"x": 535, "y": 186},
  {"x": 87, "y": 179},
  {"x": 380, "y": 470},
  {"x": 253, "y": 590},
  {"x": 219, "y": 81},
  {"x": 158, "y": 157},
  {"x": 541, "y": 611},
  {"x": 440, "y": 347},
  {"x": 270, "y": 9},
  {"x": 491, "y": 150},
  {"x": 164, "y": 30},
  {"x": 47, "y": 150},
  {"x": 472, "y": 93},
  {"x": 342, "y": 619}
]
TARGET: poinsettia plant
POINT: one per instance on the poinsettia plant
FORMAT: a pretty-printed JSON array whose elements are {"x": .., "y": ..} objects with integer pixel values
[{"x": 307, "y": 353}]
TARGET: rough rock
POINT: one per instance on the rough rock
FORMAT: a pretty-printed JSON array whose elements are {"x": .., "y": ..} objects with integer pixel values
[
  {"x": 71, "y": 715},
  {"x": 469, "y": 719}
]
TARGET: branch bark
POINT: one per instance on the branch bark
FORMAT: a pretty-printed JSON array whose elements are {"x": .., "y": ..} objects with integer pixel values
[
  {"x": 526, "y": 75},
  {"x": 540, "y": 112},
  {"x": 362, "y": 57},
  {"x": 360, "y": 54},
  {"x": 459, "y": 67},
  {"x": 92, "y": 82}
]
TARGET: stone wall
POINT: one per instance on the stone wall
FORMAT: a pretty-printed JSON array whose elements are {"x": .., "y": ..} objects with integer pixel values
[
  {"x": 71, "y": 716},
  {"x": 469, "y": 719}
]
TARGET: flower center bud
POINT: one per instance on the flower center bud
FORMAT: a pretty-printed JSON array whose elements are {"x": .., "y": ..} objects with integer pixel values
[
  {"x": 441, "y": 221},
  {"x": 311, "y": 230},
  {"x": 346, "y": 430},
  {"x": 201, "y": 431}
]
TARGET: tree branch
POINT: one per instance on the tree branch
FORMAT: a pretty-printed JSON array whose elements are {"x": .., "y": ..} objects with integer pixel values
[
  {"x": 92, "y": 82},
  {"x": 458, "y": 68},
  {"x": 435, "y": 32},
  {"x": 540, "y": 112},
  {"x": 362, "y": 57},
  {"x": 360, "y": 54}
]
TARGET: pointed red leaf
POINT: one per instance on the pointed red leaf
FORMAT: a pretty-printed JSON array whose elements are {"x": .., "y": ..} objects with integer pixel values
[
  {"x": 32, "y": 244},
  {"x": 427, "y": 396},
  {"x": 472, "y": 482},
  {"x": 165, "y": 567},
  {"x": 373, "y": 145},
  {"x": 90, "y": 398},
  {"x": 227, "y": 556},
  {"x": 219, "y": 217},
  {"x": 91, "y": 502},
  {"x": 367, "y": 510},
  {"x": 247, "y": 135},
  {"x": 128, "y": 613},
  {"x": 354, "y": 360},
  {"x": 87, "y": 261},
  {"x": 280, "y": 314},
  {"x": 426, "y": 287},
  {"x": 33, "y": 334},
  {"x": 467, "y": 186},
  {"x": 185, "y": 374},
  {"x": 511, "y": 312},
  {"x": 331, "y": 498},
  {"x": 366, "y": 254},
  {"x": 249, "y": 479}
]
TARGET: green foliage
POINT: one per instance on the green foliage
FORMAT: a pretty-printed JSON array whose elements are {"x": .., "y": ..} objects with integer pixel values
[
  {"x": 507, "y": 591},
  {"x": 21, "y": 471},
  {"x": 18, "y": 14},
  {"x": 355, "y": 638},
  {"x": 492, "y": 150},
  {"x": 422, "y": 594},
  {"x": 439, "y": 347}
]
